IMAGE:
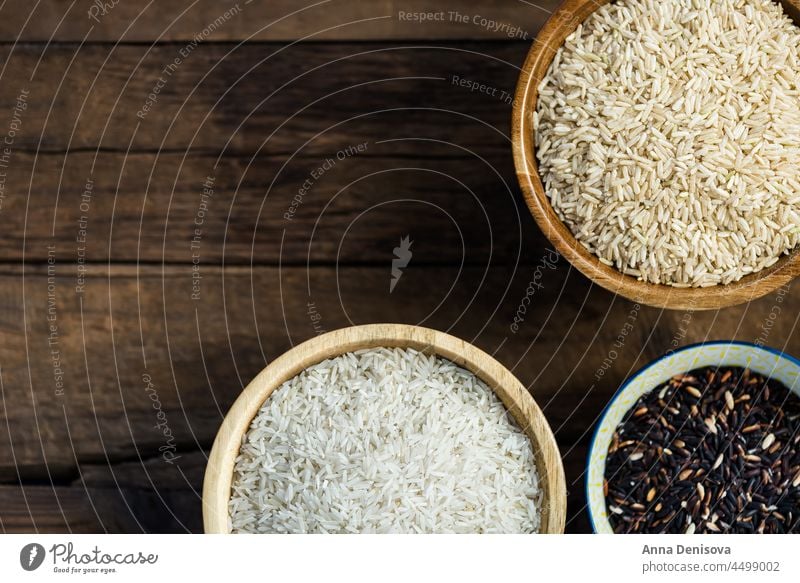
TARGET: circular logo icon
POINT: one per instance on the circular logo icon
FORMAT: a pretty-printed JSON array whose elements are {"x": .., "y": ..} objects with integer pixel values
[{"x": 31, "y": 556}]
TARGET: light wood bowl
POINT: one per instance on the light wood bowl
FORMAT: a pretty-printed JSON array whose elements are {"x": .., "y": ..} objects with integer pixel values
[
  {"x": 219, "y": 473},
  {"x": 561, "y": 24}
]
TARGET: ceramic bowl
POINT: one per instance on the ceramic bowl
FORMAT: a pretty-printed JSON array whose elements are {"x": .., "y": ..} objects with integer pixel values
[{"x": 764, "y": 360}]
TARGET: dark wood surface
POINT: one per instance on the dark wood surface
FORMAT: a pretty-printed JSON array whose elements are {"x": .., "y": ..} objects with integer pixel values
[
  {"x": 273, "y": 20},
  {"x": 82, "y": 443}
]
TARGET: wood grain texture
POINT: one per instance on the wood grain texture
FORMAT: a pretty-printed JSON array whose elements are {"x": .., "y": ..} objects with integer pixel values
[
  {"x": 573, "y": 347},
  {"x": 308, "y": 98},
  {"x": 45, "y": 509},
  {"x": 82, "y": 508},
  {"x": 527, "y": 414},
  {"x": 562, "y": 23},
  {"x": 146, "y": 207},
  {"x": 273, "y": 20},
  {"x": 145, "y": 322},
  {"x": 148, "y": 372}
]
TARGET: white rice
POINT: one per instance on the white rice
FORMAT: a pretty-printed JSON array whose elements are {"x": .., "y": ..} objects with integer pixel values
[
  {"x": 384, "y": 440},
  {"x": 668, "y": 137}
]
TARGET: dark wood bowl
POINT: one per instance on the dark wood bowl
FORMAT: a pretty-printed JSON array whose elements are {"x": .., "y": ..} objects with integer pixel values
[{"x": 561, "y": 24}]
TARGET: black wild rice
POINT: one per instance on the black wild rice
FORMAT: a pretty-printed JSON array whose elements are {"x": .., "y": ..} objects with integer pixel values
[{"x": 715, "y": 450}]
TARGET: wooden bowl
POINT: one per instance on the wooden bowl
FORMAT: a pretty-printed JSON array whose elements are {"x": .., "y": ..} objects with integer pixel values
[
  {"x": 561, "y": 24},
  {"x": 219, "y": 473}
]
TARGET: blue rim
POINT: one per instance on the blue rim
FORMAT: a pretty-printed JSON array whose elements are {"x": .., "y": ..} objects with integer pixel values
[{"x": 631, "y": 378}]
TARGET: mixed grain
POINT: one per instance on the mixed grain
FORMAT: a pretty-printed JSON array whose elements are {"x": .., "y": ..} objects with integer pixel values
[{"x": 715, "y": 450}]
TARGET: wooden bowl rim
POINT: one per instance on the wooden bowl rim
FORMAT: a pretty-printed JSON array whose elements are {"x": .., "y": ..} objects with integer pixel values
[
  {"x": 518, "y": 401},
  {"x": 753, "y": 286}
]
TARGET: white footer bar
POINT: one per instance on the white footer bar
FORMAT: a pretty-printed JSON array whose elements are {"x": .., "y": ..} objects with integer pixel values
[{"x": 416, "y": 559}]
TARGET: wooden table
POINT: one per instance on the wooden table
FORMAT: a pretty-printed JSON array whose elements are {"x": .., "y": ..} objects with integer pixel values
[{"x": 190, "y": 188}]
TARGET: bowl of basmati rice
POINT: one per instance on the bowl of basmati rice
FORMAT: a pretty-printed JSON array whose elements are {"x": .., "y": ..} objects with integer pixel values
[
  {"x": 657, "y": 144},
  {"x": 384, "y": 428}
]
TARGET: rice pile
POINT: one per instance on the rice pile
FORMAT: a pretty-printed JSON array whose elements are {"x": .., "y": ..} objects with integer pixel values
[
  {"x": 668, "y": 137},
  {"x": 384, "y": 440}
]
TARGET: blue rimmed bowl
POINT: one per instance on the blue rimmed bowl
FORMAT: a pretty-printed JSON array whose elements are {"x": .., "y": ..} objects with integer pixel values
[{"x": 767, "y": 361}]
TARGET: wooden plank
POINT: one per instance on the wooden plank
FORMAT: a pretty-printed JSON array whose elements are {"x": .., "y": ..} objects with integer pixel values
[
  {"x": 148, "y": 474},
  {"x": 154, "y": 208},
  {"x": 42, "y": 509},
  {"x": 279, "y": 20},
  {"x": 147, "y": 370},
  {"x": 575, "y": 456},
  {"x": 310, "y": 98},
  {"x": 79, "y": 509}
]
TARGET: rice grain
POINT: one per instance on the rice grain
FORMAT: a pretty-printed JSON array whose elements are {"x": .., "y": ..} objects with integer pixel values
[
  {"x": 384, "y": 440},
  {"x": 668, "y": 137}
]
